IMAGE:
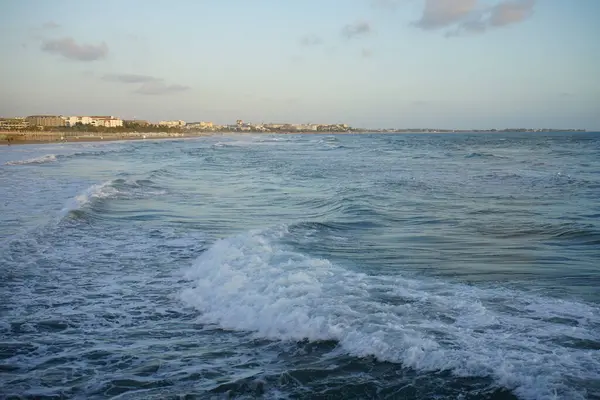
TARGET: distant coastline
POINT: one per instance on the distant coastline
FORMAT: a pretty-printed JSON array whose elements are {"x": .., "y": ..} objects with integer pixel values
[
  {"x": 41, "y": 137},
  {"x": 59, "y": 128},
  {"x": 37, "y": 137}
]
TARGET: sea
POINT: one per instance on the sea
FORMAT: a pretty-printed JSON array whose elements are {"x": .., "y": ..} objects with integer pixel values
[{"x": 256, "y": 266}]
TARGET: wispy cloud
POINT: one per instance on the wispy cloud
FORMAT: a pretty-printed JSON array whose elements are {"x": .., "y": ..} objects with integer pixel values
[
  {"x": 311, "y": 40},
  {"x": 130, "y": 78},
  {"x": 474, "y": 26},
  {"x": 366, "y": 53},
  {"x": 511, "y": 12},
  {"x": 160, "y": 88},
  {"x": 148, "y": 85},
  {"x": 356, "y": 30},
  {"x": 50, "y": 25},
  {"x": 443, "y": 13},
  {"x": 39, "y": 32},
  {"x": 68, "y": 48},
  {"x": 462, "y": 17}
]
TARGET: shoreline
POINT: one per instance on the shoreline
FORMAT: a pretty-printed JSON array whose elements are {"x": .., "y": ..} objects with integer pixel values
[{"x": 24, "y": 138}]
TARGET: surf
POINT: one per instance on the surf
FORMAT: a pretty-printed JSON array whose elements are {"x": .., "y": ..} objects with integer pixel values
[
  {"x": 111, "y": 189},
  {"x": 48, "y": 158},
  {"x": 251, "y": 282}
]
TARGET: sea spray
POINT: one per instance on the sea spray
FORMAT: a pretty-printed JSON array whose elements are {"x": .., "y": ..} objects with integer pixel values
[
  {"x": 101, "y": 190},
  {"x": 252, "y": 283},
  {"x": 113, "y": 189}
]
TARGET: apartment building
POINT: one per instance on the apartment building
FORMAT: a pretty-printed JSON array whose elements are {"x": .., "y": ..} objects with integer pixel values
[
  {"x": 46, "y": 120},
  {"x": 13, "y": 123},
  {"x": 106, "y": 121},
  {"x": 200, "y": 125},
  {"x": 72, "y": 121},
  {"x": 172, "y": 124}
]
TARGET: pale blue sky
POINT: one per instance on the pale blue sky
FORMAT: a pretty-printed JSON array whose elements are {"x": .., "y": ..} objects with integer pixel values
[{"x": 370, "y": 63}]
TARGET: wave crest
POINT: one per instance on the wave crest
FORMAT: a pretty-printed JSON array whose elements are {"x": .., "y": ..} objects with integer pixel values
[
  {"x": 37, "y": 160},
  {"x": 250, "y": 283},
  {"x": 113, "y": 189},
  {"x": 482, "y": 155},
  {"x": 98, "y": 191}
]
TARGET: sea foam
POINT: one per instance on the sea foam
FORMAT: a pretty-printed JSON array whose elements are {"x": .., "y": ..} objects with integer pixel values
[
  {"x": 37, "y": 160},
  {"x": 97, "y": 191},
  {"x": 112, "y": 189},
  {"x": 526, "y": 343}
]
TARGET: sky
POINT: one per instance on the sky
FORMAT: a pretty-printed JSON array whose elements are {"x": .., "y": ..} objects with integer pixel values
[{"x": 459, "y": 64}]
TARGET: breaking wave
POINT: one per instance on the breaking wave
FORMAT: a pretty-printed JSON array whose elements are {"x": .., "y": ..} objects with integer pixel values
[
  {"x": 482, "y": 155},
  {"x": 537, "y": 347},
  {"x": 251, "y": 142},
  {"x": 37, "y": 160},
  {"x": 98, "y": 153},
  {"x": 113, "y": 189},
  {"x": 98, "y": 191},
  {"x": 50, "y": 158}
]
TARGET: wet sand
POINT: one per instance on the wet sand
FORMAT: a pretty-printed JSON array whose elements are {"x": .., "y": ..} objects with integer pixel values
[{"x": 58, "y": 137}]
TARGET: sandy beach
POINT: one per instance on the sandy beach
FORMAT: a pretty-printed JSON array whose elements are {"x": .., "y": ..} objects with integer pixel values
[{"x": 19, "y": 138}]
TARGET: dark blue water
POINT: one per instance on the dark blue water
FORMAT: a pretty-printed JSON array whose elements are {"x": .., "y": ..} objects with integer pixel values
[{"x": 302, "y": 266}]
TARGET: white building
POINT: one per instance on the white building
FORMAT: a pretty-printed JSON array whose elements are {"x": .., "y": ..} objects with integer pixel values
[
  {"x": 172, "y": 124},
  {"x": 107, "y": 121},
  {"x": 72, "y": 121}
]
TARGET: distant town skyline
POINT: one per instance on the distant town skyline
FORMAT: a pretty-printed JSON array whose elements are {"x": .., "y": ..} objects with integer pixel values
[
  {"x": 34, "y": 124},
  {"x": 460, "y": 64}
]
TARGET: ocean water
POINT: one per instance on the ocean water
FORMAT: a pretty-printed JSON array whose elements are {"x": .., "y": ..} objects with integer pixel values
[{"x": 442, "y": 266}]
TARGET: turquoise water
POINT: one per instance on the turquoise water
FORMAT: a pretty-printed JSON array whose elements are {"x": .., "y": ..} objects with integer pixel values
[{"x": 302, "y": 266}]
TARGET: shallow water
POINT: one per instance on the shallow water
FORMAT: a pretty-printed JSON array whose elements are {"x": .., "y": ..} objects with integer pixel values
[{"x": 302, "y": 266}]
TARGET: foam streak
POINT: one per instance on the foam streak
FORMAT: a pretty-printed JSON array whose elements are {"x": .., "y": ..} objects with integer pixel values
[{"x": 250, "y": 283}]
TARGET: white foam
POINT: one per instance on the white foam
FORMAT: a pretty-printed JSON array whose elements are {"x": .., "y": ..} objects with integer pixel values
[
  {"x": 250, "y": 283},
  {"x": 98, "y": 191},
  {"x": 118, "y": 188},
  {"x": 248, "y": 141},
  {"x": 37, "y": 160}
]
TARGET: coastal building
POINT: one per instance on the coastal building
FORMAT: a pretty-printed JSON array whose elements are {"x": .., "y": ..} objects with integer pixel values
[
  {"x": 274, "y": 126},
  {"x": 106, "y": 121},
  {"x": 72, "y": 121},
  {"x": 138, "y": 122},
  {"x": 172, "y": 124},
  {"x": 10, "y": 124},
  {"x": 305, "y": 127},
  {"x": 200, "y": 125},
  {"x": 46, "y": 120}
]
